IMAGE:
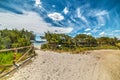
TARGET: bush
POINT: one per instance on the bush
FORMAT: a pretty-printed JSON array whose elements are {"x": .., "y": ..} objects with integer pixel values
[
  {"x": 7, "y": 57},
  {"x": 45, "y": 46},
  {"x": 14, "y": 38},
  {"x": 79, "y": 43}
]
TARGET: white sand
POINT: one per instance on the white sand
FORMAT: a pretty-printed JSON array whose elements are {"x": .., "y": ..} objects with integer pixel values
[{"x": 54, "y": 66}]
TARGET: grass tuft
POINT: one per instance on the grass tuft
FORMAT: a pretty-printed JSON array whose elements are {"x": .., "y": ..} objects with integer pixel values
[{"x": 7, "y": 58}]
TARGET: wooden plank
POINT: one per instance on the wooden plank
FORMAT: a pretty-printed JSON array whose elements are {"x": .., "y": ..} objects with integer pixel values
[
  {"x": 15, "y": 49},
  {"x": 24, "y": 54},
  {"x": 12, "y": 49},
  {"x": 6, "y": 65},
  {"x": 14, "y": 68}
]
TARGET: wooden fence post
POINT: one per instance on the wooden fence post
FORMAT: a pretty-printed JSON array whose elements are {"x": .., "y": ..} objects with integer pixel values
[
  {"x": 33, "y": 50},
  {"x": 14, "y": 57}
]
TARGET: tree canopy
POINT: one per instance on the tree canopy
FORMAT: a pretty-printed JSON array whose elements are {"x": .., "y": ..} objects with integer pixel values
[
  {"x": 15, "y": 38},
  {"x": 63, "y": 41}
]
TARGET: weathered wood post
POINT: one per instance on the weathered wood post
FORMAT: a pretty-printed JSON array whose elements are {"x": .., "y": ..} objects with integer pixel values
[
  {"x": 14, "y": 56},
  {"x": 33, "y": 50}
]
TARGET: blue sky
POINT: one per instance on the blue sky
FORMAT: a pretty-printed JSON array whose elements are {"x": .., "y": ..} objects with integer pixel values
[{"x": 92, "y": 17}]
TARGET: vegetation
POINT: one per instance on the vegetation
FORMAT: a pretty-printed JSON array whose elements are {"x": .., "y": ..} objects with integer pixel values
[
  {"x": 15, "y": 38},
  {"x": 81, "y": 42},
  {"x": 6, "y": 58}
]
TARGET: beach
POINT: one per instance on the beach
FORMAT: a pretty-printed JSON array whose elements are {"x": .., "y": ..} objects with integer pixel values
[{"x": 92, "y": 65}]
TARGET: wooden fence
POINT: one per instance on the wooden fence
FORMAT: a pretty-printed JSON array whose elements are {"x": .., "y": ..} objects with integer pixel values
[{"x": 17, "y": 62}]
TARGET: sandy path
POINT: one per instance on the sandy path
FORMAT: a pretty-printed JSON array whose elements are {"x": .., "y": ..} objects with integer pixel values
[{"x": 53, "y": 66}]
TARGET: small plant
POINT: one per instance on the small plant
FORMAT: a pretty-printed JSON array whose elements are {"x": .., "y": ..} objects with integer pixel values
[{"x": 7, "y": 58}]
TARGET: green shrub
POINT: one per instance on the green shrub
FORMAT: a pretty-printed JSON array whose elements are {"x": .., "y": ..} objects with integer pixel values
[
  {"x": 79, "y": 43},
  {"x": 45, "y": 46},
  {"x": 15, "y": 38},
  {"x": 7, "y": 57}
]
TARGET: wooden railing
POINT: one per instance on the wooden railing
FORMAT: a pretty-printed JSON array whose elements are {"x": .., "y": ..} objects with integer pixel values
[{"x": 17, "y": 62}]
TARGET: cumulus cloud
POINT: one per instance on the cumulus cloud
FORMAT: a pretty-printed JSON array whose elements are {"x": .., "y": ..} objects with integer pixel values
[
  {"x": 30, "y": 21},
  {"x": 65, "y": 10},
  {"x": 56, "y": 16}
]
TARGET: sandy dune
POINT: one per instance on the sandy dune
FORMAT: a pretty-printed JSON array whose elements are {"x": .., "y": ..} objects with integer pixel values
[{"x": 98, "y": 65}]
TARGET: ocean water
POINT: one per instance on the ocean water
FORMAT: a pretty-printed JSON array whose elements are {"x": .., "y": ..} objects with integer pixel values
[{"x": 37, "y": 44}]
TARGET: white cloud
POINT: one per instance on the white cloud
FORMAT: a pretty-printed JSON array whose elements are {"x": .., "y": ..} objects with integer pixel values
[
  {"x": 53, "y": 6},
  {"x": 81, "y": 16},
  {"x": 101, "y": 21},
  {"x": 87, "y": 33},
  {"x": 101, "y": 17},
  {"x": 98, "y": 13},
  {"x": 94, "y": 30},
  {"x": 116, "y": 31},
  {"x": 65, "y": 10},
  {"x": 56, "y": 16},
  {"x": 69, "y": 21},
  {"x": 79, "y": 12},
  {"x": 62, "y": 30},
  {"x": 101, "y": 13},
  {"x": 30, "y": 21},
  {"x": 88, "y": 29},
  {"x": 72, "y": 19},
  {"x": 37, "y": 2},
  {"x": 102, "y": 34}
]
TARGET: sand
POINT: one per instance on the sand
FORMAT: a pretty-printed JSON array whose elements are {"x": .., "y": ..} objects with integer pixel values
[{"x": 95, "y": 65}]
